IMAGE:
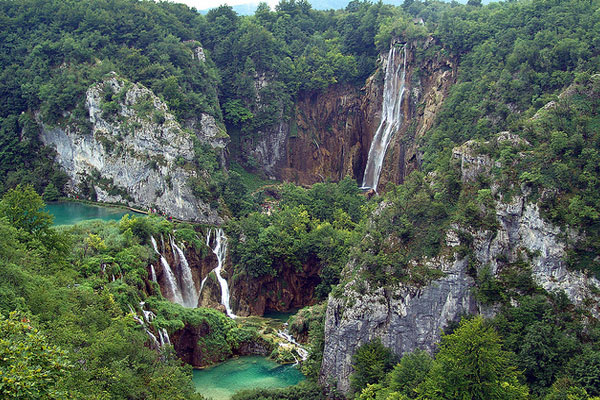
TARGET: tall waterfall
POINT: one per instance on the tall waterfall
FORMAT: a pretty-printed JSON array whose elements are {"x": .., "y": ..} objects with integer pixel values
[
  {"x": 220, "y": 250},
  {"x": 173, "y": 287},
  {"x": 391, "y": 117},
  {"x": 188, "y": 288}
]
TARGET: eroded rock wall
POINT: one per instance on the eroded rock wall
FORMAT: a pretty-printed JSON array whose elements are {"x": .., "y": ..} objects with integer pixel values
[
  {"x": 136, "y": 153},
  {"x": 407, "y": 318},
  {"x": 291, "y": 289},
  {"x": 330, "y": 133}
]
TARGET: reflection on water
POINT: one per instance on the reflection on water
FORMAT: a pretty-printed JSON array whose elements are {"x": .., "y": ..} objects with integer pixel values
[{"x": 69, "y": 213}]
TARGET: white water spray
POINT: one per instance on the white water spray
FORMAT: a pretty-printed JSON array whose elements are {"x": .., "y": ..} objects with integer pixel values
[
  {"x": 220, "y": 250},
  {"x": 188, "y": 288},
  {"x": 137, "y": 319},
  {"x": 391, "y": 118},
  {"x": 285, "y": 334},
  {"x": 169, "y": 276}
]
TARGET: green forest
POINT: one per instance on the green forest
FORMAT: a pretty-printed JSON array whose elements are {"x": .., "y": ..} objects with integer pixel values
[{"x": 524, "y": 103}]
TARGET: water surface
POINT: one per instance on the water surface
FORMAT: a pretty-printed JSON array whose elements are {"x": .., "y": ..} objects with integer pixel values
[
  {"x": 69, "y": 213},
  {"x": 282, "y": 316},
  {"x": 251, "y": 372}
]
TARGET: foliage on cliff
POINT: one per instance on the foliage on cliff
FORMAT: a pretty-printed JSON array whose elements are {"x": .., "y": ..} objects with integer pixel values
[
  {"x": 471, "y": 363},
  {"x": 74, "y": 335},
  {"x": 316, "y": 225},
  {"x": 53, "y": 51}
]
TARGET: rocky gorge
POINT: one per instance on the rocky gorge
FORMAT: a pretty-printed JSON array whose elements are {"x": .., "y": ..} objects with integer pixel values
[{"x": 330, "y": 133}]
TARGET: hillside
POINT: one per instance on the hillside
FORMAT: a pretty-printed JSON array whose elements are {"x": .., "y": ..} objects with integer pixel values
[{"x": 420, "y": 181}]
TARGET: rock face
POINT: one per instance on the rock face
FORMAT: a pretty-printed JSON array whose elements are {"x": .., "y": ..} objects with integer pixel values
[
  {"x": 408, "y": 318},
  {"x": 405, "y": 319},
  {"x": 269, "y": 150},
  {"x": 326, "y": 140},
  {"x": 331, "y": 131},
  {"x": 185, "y": 342},
  {"x": 291, "y": 289},
  {"x": 427, "y": 85},
  {"x": 135, "y": 152}
]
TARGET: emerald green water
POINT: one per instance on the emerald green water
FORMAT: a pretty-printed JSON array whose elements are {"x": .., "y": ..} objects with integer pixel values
[
  {"x": 251, "y": 372},
  {"x": 69, "y": 213},
  {"x": 279, "y": 315}
]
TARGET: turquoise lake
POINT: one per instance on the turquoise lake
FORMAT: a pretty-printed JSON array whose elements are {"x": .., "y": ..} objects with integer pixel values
[
  {"x": 69, "y": 213},
  {"x": 251, "y": 372}
]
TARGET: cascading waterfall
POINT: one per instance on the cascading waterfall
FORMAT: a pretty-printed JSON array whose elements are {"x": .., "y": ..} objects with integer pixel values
[
  {"x": 152, "y": 273},
  {"x": 173, "y": 287},
  {"x": 220, "y": 250},
  {"x": 137, "y": 319},
  {"x": 164, "y": 337},
  {"x": 202, "y": 283},
  {"x": 285, "y": 334},
  {"x": 391, "y": 118},
  {"x": 188, "y": 288}
]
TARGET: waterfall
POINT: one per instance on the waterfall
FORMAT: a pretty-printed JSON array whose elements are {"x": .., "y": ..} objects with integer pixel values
[
  {"x": 152, "y": 273},
  {"x": 202, "y": 284},
  {"x": 137, "y": 319},
  {"x": 170, "y": 277},
  {"x": 188, "y": 288},
  {"x": 391, "y": 118},
  {"x": 164, "y": 337},
  {"x": 220, "y": 250},
  {"x": 302, "y": 352}
]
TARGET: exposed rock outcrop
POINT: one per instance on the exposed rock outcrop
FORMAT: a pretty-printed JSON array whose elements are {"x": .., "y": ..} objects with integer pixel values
[
  {"x": 135, "y": 153},
  {"x": 186, "y": 343},
  {"x": 326, "y": 140},
  {"x": 407, "y": 318},
  {"x": 290, "y": 289},
  {"x": 331, "y": 131},
  {"x": 404, "y": 319}
]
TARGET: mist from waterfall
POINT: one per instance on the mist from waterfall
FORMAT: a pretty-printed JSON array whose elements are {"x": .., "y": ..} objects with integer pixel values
[{"x": 391, "y": 117}]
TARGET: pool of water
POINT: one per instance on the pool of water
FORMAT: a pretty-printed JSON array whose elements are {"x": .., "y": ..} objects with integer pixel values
[
  {"x": 69, "y": 213},
  {"x": 279, "y": 315},
  {"x": 251, "y": 372}
]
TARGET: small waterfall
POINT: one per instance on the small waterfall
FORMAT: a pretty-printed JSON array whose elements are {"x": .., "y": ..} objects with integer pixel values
[
  {"x": 391, "y": 118},
  {"x": 285, "y": 334},
  {"x": 220, "y": 250},
  {"x": 202, "y": 284},
  {"x": 188, "y": 288},
  {"x": 170, "y": 277},
  {"x": 152, "y": 273},
  {"x": 164, "y": 337},
  {"x": 155, "y": 343}
]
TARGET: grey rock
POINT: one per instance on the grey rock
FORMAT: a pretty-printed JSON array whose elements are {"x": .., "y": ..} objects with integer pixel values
[
  {"x": 405, "y": 319},
  {"x": 409, "y": 318},
  {"x": 141, "y": 160}
]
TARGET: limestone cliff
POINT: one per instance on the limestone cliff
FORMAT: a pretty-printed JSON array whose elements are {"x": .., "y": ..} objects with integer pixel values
[
  {"x": 331, "y": 131},
  {"x": 325, "y": 143},
  {"x": 408, "y": 317},
  {"x": 428, "y": 80},
  {"x": 135, "y": 152}
]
